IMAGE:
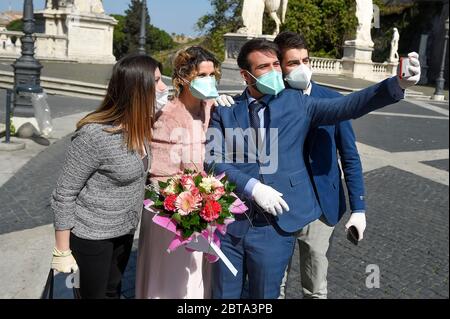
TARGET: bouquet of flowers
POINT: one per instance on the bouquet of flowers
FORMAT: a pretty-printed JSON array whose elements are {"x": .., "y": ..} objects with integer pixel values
[{"x": 194, "y": 206}]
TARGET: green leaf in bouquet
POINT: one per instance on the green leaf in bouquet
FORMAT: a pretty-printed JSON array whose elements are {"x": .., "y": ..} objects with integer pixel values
[
  {"x": 178, "y": 188},
  {"x": 158, "y": 204},
  {"x": 188, "y": 171},
  {"x": 198, "y": 180},
  {"x": 186, "y": 222},
  {"x": 177, "y": 217},
  {"x": 226, "y": 214},
  {"x": 229, "y": 187},
  {"x": 195, "y": 219},
  {"x": 220, "y": 220},
  {"x": 152, "y": 195},
  {"x": 163, "y": 185},
  {"x": 225, "y": 205},
  {"x": 187, "y": 233}
]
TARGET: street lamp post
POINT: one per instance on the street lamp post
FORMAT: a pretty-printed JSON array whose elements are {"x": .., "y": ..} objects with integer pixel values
[
  {"x": 27, "y": 70},
  {"x": 439, "y": 93},
  {"x": 143, "y": 35}
]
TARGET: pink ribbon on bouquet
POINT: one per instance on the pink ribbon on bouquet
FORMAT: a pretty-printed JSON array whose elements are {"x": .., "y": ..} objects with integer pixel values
[{"x": 238, "y": 207}]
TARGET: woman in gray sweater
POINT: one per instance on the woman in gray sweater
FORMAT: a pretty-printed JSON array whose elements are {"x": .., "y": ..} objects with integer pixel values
[{"x": 99, "y": 195}]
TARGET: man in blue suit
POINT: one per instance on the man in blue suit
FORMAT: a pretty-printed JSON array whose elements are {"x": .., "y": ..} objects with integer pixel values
[
  {"x": 258, "y": 143},
  {"x": 322, "y": 146}
]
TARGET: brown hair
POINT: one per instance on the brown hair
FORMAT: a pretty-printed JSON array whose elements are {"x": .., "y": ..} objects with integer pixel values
[
  {"x": 129, "y": 104},
  {"x": 253, "y": 45},
  {"x": 186, "y": 63},
  {"x": 290, "y": 40}
]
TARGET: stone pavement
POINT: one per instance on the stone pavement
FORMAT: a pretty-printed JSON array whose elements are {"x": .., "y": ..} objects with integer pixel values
[{"x": 405, "y": 156}]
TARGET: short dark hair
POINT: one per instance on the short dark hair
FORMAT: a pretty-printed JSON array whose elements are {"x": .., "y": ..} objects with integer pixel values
[
  {"x": 261, "y": 45},
  {"x": 290, "y": 40}
]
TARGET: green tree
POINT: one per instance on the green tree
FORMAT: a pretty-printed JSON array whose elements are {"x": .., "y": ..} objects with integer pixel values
[
  {"x": 16, "y": 25},
  {"x": 129, "y": 29},
  {"x": 326, "y": 24},
  {"x": 225, "y": 17},
  {"x": 132, "y": 25},
  {"x": 158, "y": 39},
  {"x": 120, "y": 44}
]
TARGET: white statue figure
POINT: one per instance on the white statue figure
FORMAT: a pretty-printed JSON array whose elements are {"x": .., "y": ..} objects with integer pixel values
[
  {"x": 364, "y": 13},
  {"x": 253, "y": 14},
  {"x": 85, "y": 6},
  {"x": 393, "y": 56},
  {"x": 89, "y": 6}
]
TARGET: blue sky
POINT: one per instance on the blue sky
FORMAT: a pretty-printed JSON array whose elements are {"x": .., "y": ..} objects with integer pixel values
[{"x": 177, "y": 16}]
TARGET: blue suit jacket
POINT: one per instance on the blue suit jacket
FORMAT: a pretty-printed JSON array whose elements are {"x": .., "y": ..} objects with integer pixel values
[
  {"x": 291, "y": 116},
  {"x": 321, "y": 149}
]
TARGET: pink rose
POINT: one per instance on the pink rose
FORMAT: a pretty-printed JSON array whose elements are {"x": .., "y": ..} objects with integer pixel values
[
  {"x": 218, "y": 193},
  {"x": 187, "y": 182}
]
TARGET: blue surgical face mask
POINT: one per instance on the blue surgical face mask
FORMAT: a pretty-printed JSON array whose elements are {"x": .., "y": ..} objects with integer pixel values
[
  {"x": 270, "y": 83},
  {"x": 204, "y": 88},
  {"x": 300, "y": 77}
]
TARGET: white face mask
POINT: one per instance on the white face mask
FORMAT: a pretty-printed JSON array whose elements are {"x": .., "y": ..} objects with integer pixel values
[
  {"x": 161, "y": 99},
  {"x": 300, "y": 77}
]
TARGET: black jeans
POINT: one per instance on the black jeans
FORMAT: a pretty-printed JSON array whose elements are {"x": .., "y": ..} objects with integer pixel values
[{"x": 102, "y": 264}]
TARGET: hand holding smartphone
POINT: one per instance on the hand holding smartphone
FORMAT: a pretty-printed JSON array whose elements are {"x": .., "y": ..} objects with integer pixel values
[
  {"x": 404, "y": 68},
  {"x": 353, "y": 235}
]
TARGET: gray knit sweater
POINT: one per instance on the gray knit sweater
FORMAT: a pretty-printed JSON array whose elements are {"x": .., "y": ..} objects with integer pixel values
[{"x": 100, "y": 192}]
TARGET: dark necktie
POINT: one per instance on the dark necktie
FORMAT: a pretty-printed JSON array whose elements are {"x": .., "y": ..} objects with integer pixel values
[{"x": 255, "y": 121}]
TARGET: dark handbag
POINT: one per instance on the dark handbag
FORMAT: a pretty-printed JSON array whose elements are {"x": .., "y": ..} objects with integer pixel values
[
  {"x": 48, "y": 289},
  {"x": 50, "y": 284}
]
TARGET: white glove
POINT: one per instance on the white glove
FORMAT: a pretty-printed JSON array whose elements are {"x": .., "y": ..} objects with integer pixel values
[
  {"x": 63, "y": 261},
  {"x": 269, "y": 199},
  {"x": 224, "y": 100},
  {"x": 414, "y": 70},
  {"x": 359, "y": 221}
]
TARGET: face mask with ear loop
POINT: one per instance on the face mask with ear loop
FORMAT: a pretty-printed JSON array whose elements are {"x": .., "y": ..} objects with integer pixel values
[
  {"x": 203, "y": 88},
  {"x": 270, "y": 83},
  {"x": 162, "y": 98},
  {"x": 300, "y": 77}
]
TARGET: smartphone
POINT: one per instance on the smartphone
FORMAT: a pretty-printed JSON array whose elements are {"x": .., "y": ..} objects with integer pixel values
[
  {"x": 403, "y": 68},
  {"x": 352, "y": 235}
]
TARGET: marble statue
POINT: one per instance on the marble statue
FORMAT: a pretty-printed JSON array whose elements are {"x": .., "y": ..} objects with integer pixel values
[
  {"x": 393, "y": 56},
  {"x": 253, "y": 15},
  {"x": 364, "y": 13},
  {"x": 91, "y": 6},
  {"x": 82, "y": 6}
]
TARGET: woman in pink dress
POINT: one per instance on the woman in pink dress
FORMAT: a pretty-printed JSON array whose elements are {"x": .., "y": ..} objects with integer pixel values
[{"x": 178, "y": 143}]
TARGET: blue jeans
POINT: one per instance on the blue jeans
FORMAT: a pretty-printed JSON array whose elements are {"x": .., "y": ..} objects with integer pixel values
[{"x": 262, "y": 255}]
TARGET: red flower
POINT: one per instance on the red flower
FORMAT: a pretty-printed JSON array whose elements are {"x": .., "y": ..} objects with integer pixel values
[
  {"x": 211, "y": 211},
  {"x": 169, "y": 203}
]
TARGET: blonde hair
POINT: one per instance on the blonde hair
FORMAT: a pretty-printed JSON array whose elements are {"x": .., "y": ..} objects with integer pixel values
[{"x": 185, "y": 66}]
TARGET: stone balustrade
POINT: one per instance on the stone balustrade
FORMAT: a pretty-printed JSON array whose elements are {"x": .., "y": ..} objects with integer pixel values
[
  {"x": 379, "y": 68},
  {"x": 10, "y": 45},
  {"x": 335, "y": 66},
  {"x": 326, "y": 66},
  {"x": 48, "y": 47}
]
